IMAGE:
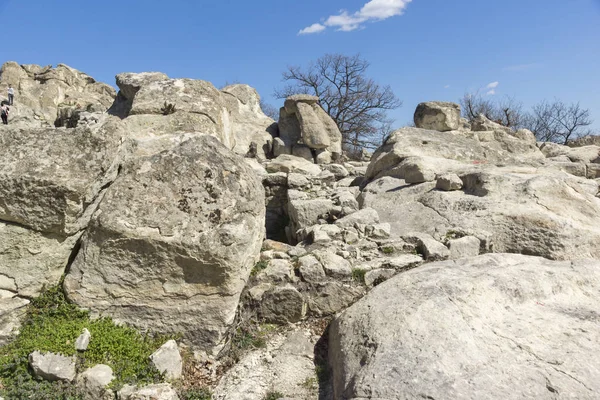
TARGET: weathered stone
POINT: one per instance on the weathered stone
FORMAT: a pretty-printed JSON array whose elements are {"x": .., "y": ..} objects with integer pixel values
[
  {"x": 305, "y": 213},
  {"x": 48, "y": 97},
  {"x": 438, "y": 116},
  {"x": 174, "y": 240},
  {"x": 332, "y": 297},
  {"x": 302, "y": 151},
  {"x": 443, "y": 331},
  {"x": 311, "y": 269},
  {"x": 93, "y": 382},
  {"x": 83, "y": 340},
  {"x": 366, "y": 216},
  {"x": 377, "y": 276},
  {"x": 282, "y": 304},
  {"x": 248, "y": 122},
  {"x": 12, "y": 312},
  {"x": 448, "y": 182},
  {"x": 52, "y": 367},
  {"x": 467, "y": 246},
  {"x": 287, "y": 163},
  {"x": 431, "y": 249},
  {"x": 167, "y": 360},
  {"x": 161, "y": 391},
  {"x": 334, "y": 265},
  {"x": 47, "y": 197},
  {"x": 303, "y": 118},
  {"x": 277, "y": 271},
  {"x": 285, "y": 364}
]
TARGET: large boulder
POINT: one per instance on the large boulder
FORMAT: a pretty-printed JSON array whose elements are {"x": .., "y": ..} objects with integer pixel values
[
  {"x": 497, "y": 326},
  {"x": 173, "y": 242},
  {"x": 47, "y": 96},
  {"x": 302, "y": 119},
  {"x": 152, "y": 104},
  {"x": 515, "y": 209},
  {"x": 51, "y": 181},
  {"x": 438, "y": 116},
  {"x": 487, "y": 147}
]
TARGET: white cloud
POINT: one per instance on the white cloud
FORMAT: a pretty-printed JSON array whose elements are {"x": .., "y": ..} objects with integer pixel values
[
  {"x": 446, "y": 87},
  {"x": 491, "y": 92},
  {"x": 492, "y": 85},
  {"x": 372, "y": 11},
  {"x": 314, "y": 28}
]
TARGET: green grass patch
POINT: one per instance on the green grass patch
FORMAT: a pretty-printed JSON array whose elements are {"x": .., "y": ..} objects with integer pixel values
[
  {"x": 259, "y": 266},
  {"x": 195, "y": 394},
  {"x": 52, "y": 324},
  {"x": 387, "y": 250},
  {"x": 273, "y": 396},
  {"x": 358, "y": 274}
]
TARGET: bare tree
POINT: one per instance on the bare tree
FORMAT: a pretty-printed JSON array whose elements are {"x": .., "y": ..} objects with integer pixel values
[
  {"x": 507, "y": 112},
  {"x": 356, "y": 103},
  {"x": 558, "y": 122}
]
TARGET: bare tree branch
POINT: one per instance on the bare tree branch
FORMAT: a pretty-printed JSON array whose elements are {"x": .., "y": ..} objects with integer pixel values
[{"x": 356, "y": 103}]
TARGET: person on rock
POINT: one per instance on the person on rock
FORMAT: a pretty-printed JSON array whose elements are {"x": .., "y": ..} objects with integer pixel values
[
  {"x": 11, "y": 95},
  {"x": 4, "y": 113}
]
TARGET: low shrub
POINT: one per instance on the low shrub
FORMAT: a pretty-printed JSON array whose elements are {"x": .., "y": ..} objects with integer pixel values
[{"x": 52, "y": 324}]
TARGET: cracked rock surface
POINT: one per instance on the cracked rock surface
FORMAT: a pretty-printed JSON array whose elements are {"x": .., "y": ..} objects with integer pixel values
[{"x": 495, "y": 326}]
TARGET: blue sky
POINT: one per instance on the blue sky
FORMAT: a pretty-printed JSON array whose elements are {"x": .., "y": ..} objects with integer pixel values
[{"x": 424, "y": 49}]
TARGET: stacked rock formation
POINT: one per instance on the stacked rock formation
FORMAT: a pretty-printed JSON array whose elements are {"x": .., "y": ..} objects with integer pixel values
[{"x": 305, "y": 130}]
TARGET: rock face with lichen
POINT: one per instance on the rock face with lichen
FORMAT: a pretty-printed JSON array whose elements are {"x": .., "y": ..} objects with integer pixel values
[
  {"x": 302, "y": 122},
  {"x": 152, "y": 104},
  {"x": 173, "y": 241},
  {"x": 52, "y": 96}
]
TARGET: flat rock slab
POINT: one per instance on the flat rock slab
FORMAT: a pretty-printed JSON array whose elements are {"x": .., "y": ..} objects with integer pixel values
[
  {"x": 52, "y": 367},
  {"x": 497, "y": 326}
]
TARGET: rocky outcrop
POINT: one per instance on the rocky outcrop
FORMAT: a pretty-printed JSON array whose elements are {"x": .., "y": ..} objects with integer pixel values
[
  {"x": 471, "y": 329},
  {"x": 248, "y": 122},
  {"x": 47, "y": 96},
  {"x": 47, "y": 196},
  {"x": 152, "y": 104},
  {"x": 302, "y": 121},
  {"x": 438, "y": 116},
  {"x": 173, "y": 241}
]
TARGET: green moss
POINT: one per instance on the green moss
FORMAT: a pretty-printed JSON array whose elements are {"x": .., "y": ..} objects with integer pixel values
[
  {"x": 259, "y": 266},
  {"x": 52, "y": 324},
  {"x": 358, "y": 274},
  {"x": 195, "y": 394},
  {"x": 273, "y": 396},
  {"x": 387, "y": 250}
]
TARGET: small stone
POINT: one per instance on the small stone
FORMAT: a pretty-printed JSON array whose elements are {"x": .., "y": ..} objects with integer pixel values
[
  {"x": 334, "y": 265},
  {"x": 83, "y": 340},
  {"x": 467, "y": 246},
  {"x": 283, "y": 304},
  {"x": 52, "y": 367},
  {"x": 162, "y": 391},
  {"x": 366, "y": 216},
  {"x": 311, "y": 269},
  {"x": 276, "y": 271},
  {"x": 429, "y": 247},
  {"x": 168, "y": 361},
  {"x": 93, "y": 382},
  {"x": 449, "y": 182}
]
